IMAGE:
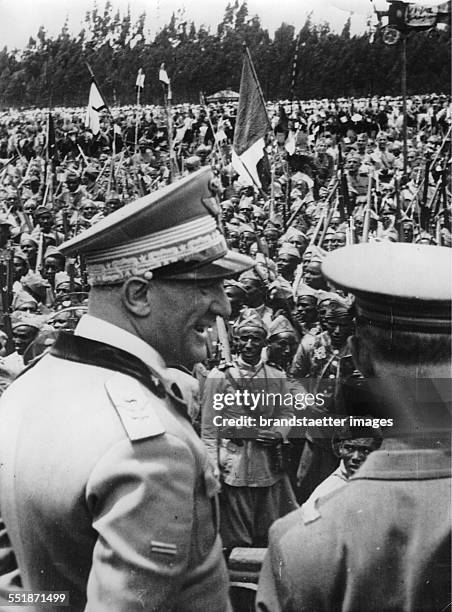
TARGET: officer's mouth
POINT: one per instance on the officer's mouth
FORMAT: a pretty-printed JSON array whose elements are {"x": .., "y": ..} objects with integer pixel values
[{"x": 200, "y": 330}]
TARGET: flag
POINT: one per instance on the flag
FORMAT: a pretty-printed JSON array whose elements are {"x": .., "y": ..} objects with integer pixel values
[
  {"x": 282, "y": 127},
  {"x": 291, "y": 142},
  {"x": 163, "y": 77},
  {"x": 140, "y": 79},
  {"x": 251, "y": 126},
  {"x": 95, "y": 104},
  {"x": 418, "y": 14},
  {"x": 220, "y": 134},
  {"x": 181, "y": 130}
]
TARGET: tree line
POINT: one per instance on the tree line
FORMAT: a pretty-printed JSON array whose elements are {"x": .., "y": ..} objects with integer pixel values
[{"x": 51, "y": 71}]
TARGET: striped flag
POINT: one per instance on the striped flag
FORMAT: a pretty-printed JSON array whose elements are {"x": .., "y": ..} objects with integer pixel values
[{"x": 251, "y": 126}]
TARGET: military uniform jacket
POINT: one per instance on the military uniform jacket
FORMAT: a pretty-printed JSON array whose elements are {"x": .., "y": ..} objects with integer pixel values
[
  {"x": 105, "y": 488},
  {"x": 244, "y": 463},
  {"x": 380, "y": 543}
]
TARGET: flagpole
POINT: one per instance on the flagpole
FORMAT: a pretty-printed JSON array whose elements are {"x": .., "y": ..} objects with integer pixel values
[
  {"x": 170, "y": 133},
  {"x": 136, "y": 120},
  {"x": 294, "y": 71},
  {"x": 46, "y": 161},
  {"x": 216, "y": 143},
  {"x": 404, "y": 107}
]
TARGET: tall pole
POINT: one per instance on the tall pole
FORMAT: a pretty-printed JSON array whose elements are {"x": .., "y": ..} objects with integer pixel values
[
  {"x": 294, "y": 71},
  {"x": 169, "y": 119},
  {"x": 404, "y": 132},
  {"x": 137, "y": 118}
]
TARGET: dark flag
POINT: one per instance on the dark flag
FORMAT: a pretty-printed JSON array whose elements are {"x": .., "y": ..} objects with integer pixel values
[{"x": 251, "y": 126}]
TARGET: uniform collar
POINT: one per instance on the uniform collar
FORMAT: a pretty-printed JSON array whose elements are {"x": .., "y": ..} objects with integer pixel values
[
  {"x": 341, "y": 471},
  {"x": 410, "y": 464},
  {"x": 262, "y": 309},
  {"x": 97, "y": 329},
  {"x": 243, "y": 365}
]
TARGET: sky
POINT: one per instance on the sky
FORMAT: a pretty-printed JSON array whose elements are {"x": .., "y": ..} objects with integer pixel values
[{"x": 20, "y": 19}]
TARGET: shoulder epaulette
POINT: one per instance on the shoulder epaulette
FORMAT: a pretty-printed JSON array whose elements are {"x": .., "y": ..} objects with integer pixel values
[
  {"x": 135, "y": 408},
  {"x": 272, "y": 364},
  {"x": 310, "y": 512},
  {"x": 225, "y": 366}
]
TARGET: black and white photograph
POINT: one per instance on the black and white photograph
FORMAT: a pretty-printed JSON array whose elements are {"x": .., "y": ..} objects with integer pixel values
[{"x": 225, "y": 306}]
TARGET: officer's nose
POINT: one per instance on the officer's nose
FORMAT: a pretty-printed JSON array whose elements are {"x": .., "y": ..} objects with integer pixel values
[{"x": 220, "y": 305}]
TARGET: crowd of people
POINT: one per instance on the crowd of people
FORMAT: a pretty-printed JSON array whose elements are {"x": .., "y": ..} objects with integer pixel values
[
  {"x": 57, "y": 181},
  {"x": 335, "y": 174}
]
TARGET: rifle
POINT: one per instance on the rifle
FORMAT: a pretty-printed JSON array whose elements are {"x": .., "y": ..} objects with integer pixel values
[
  {"x": 317, "y": 229},
  {"x": 366, "y": 221},
  {"x": 350, "y": 232},
  {"x": 331, "y": 210},
  {"x": 85, "y": 159},
  {"x": 425, "y": 211},
  {"x": 6, "y": 284},
  {"x": 40, "y": 253},
  {"x": 223, "y": 339},
  {"x": 286, "y": 203},
  {"x": 65, "y": 225},
  {"x": 438, "y": 232},
  {"x": 71, "y": 271},
  {"x": 344, "y": 196},
  {"x": 432, "y": 208}
]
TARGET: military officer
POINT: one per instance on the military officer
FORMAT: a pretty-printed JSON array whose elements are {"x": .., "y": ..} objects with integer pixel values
[
  {"x": 382, "y": 542},
  {"x": 106, "y": 491}
]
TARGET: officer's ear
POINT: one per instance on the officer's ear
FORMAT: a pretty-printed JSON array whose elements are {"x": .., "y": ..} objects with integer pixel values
[
  {"x": 135, "y": 296},
  {"x": 361, "y": 356}
]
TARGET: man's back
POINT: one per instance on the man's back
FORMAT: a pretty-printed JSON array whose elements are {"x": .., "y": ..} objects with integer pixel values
[{"x": 381, "y": 543}]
